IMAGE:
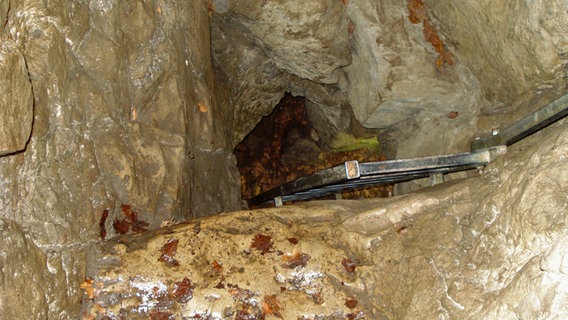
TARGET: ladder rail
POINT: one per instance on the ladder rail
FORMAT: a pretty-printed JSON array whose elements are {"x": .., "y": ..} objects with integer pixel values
[{"x": 353, "y": 175}]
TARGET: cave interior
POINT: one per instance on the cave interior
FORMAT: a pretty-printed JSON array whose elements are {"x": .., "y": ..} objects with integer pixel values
[{"x": 134, "y": 132}]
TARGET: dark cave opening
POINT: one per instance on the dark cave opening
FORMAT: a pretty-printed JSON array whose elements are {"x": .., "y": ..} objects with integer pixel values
[{"x": 285, "y": 145}]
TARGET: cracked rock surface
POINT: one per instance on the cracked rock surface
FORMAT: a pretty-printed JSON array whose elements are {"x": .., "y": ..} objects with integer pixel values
[
  {"x": 489, "y": 247},
  {"x": 103, "y": 103},
  {"x": 121, "y": 116}
]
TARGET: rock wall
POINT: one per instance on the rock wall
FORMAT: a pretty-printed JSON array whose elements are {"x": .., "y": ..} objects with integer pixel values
[
  {"x": 421, "y": 71},
  {"x": 263, "y": 47},
  {"x": 125, "y": 112},
  {"x": 113, "y": 119},
  {"x": 16, "y": 102},
  {"x": 490, "y": 247},
  {"x": 26, "y": 286},
  {"x": 511, "y": 47},
  {"x": 363, "y": 54},
  {"x": 397, "y": 80}
]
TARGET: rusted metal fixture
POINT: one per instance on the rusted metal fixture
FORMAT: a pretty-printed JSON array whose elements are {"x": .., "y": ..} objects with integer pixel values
[
  {"x": 528, "y": 125},
  {"x": 354, "y": 175}
]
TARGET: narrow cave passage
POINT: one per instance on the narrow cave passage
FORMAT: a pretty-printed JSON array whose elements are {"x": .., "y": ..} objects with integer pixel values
[
  {"x": 285, "y": 145},
  {"x": 120, "y": 188}
]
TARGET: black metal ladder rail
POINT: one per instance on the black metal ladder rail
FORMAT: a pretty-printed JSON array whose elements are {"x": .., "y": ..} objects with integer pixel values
[{"x": 353, "y": 175}]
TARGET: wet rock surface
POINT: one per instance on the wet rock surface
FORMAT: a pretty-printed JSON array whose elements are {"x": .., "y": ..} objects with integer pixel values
[
  {"x": 386, "y": 71},
  {"x": 535, "y": 52},
  {"x": 401, "y": 66},
  {"x": 124, "y": 113},
  {"x": 127, "y": 110},
  {"x": 16, "y": 101},
  {"x": 489, "y": 247},
  {"x": 276, "y": 42},
  {"x": 23, "y": 285}
]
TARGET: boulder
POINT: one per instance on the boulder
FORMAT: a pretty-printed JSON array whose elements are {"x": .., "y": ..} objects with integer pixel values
[{"x": 489, "y": 247}]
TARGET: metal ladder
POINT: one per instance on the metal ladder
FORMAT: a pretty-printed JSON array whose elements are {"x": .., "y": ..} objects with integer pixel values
[{"x": 353, "y": 174}]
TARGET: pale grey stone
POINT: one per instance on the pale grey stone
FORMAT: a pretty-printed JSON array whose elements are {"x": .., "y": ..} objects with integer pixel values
[
  {"x": 307, "y": 39},
  {"x": 510, "y": 47},
  {"x": 394, "y": 82},
  {"x": 258, "y": 46}
]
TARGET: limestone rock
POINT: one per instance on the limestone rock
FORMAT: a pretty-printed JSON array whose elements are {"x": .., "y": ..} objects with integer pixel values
[
  {"x": 123, "y": 92},
  {"x": 410, "y": 64},
  {"x": 118, "y": 109},
  {"x": 208, "y": 197},
  {"x": 4, "y": 8},
  {"x": 489, "y": 247},
  {"x": 394, "y": 81},
  {"x": 16, "y": 100},
  {"x": 381, "y": 65},
  {"x": 34, "y": 282},
  {"x": 328, "y": 121},
  {"x": 510, "y": 47},
  {"x": 307, "y": 39},
  {"x": 24, "y": 278},
  {"x": 128, "y": 113},
  {"x": 254, "y": 83},
  {"x": 259, "y": 45}
]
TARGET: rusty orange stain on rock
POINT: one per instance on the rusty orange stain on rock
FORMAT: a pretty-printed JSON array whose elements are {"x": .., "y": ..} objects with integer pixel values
[
  {"x": 87, "y": 285},
  {"x": 416, "y": 11},
  {"x": 262, "y": 243},
  {"x": 169, "y": 250},
  {"x": 432, "y": 36},
  {"x": 201, "y": 107},
  {"x": 182, "y": 291},
  {"x": 296, "y": 258},
  {"x": 351, "y": 302},
  {"x": 271, "y": 306},
  {"x": 453, "y": 114},
  {"x": 349, "y": 265},
  {"x": 416, "y": 14}
]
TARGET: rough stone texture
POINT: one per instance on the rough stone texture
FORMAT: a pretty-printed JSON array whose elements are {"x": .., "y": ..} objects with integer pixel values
[
  {"x": 328, "y": 121},
  {"x": 16, "y": 100},
  {"x": 395, "y": 77},
  {"x": 23, "y": 285},
  {"x": 35, "y": 282},
  {"x": 126, "y": 120},
  {"x": 254, "y": 84},
  {"x": 125, "y": 112},
  {"x": 490, "y": 247},
  {"x": 307, "y": 39},
  {"x": 385, "y": 70},
  {"x": 258, "y": 45},
  {"x": 395, "y": 83},
  {"x": 510, "y": 46}
]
